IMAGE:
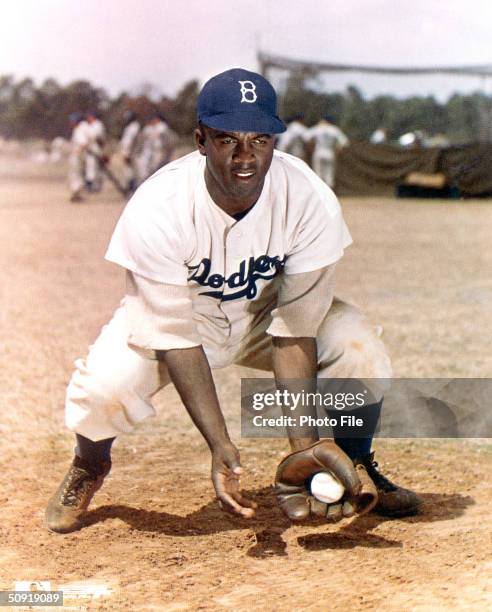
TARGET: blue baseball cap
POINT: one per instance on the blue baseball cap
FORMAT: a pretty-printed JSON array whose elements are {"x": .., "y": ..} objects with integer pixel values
[{"x": 238, "y": 100}]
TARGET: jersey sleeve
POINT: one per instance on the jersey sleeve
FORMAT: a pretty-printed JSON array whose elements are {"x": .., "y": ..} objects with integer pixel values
[
  {"x": 159, "y": 316},
  {"x": 320, "y": 234},
  {"x": 303, "y": 302},
  {"x": 148, "y": 239}
]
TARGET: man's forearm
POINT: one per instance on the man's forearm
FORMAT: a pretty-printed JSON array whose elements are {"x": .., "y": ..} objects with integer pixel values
[
  {"x": 190, "y": 373},
  {"x": 295, "y": 366}
]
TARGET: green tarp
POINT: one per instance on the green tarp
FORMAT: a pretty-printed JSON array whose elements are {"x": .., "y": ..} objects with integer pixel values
[{"x": 366, "y": 169}]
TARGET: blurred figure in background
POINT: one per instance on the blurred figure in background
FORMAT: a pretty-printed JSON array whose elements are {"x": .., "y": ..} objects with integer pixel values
[
  {"x": 293, "y": 140},
  {"x": 58, "y": 149},
  {"x": 157, "y": 146},
  {"x": 94, "y": 153},
  {"x": 76, "y": 162},
  {"x": 379, "y": 136},
  {"x": 128, "y": 149},
  {"x": 413, "y": 139},
  {"x": 326, "y": 140}
]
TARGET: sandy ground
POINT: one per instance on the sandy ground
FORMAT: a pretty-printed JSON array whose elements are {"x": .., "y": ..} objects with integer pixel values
[{"x": 156, "y": 539}]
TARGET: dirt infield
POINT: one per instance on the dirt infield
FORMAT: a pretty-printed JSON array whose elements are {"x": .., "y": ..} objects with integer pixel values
[{"x": 156, "y": 539}]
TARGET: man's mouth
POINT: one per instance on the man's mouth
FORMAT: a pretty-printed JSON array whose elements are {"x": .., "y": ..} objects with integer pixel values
[{"x": 243, "y": 174}]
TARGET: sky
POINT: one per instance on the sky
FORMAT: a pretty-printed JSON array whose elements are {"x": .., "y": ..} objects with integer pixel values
[{"x": 122, "y": 44}]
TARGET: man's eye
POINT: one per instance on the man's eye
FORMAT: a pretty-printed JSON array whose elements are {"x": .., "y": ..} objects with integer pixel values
[
  {"x": 260, "y": 141},
  {"x": 228, "y": 140}
]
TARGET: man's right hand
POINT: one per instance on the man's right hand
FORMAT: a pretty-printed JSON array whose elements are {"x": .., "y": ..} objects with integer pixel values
[
  {"x": 226, "y": 470},
  {"x": 190, "y": 372}
]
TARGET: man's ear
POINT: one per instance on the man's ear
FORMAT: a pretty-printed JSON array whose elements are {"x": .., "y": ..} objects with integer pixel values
[{"x": 200, "y": 140}]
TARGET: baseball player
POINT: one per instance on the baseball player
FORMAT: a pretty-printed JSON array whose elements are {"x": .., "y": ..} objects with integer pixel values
[
  {"x": 327, "y": 139},
  {"x": 293, "y": 140},
  {"x": 229, "y": 255},
  {"x": 97, "y": 137},
  {"x": 79, "y": 143},
  {"x": 127, "y": 148},
  {"x": 156, "y": 147}
]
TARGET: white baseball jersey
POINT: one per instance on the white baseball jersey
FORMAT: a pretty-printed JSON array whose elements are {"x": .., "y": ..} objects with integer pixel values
[
  {"x": 80, "y": 137},
  {"x": 293, "y": 139},
  {"x": 153, "y": 136},
  {"x": 128, "y": 138},
  {"x": 173, "y": 233},
  {"x": 327, "y": 138},
  {"x": 96, "y": 133}
]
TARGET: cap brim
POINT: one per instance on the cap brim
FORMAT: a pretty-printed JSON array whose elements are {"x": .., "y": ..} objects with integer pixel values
[{"x": 261, "y": 123}]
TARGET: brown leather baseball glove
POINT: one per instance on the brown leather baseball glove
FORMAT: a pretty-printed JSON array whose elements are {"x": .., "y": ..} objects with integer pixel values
[{"x": 296, "y": 470}]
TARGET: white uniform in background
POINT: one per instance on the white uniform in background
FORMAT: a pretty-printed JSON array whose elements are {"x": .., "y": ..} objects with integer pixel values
[
  {"x": 97, "y": 136},
  {"x": 58, "y": 149},
  {"x": 156, "y": 148},
  {"x": 379, "y": 136},
  {"x": 197, "y": 276},
  {"x": 293, "y": 140},
  {"x": 128, "y": 144},
  {"x": 76, "y": 161},
  {"x": 327, "y": 139}
]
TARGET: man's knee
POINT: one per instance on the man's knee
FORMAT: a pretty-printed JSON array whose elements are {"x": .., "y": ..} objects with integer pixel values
[
  {"x": 349, "y": 346},
  {"x": 97, "y": 386},
  {"x": 105, "y": 402}
]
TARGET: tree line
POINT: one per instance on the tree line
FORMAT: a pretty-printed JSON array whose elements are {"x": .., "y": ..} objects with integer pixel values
[
  {"x": 30, "y": 111},
  {"x": 41, "y": 111},
  {"x": 462, "y": 118}
]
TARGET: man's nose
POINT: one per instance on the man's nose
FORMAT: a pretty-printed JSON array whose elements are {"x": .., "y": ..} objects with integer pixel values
[{"x": 243, "y": 152}]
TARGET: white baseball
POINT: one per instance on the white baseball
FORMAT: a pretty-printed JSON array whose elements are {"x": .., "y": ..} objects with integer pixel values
[{"x": 326, "y": 487}]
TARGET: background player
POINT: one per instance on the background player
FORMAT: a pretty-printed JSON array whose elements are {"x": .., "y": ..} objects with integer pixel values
[
  {"x": 293, "y": 140},
  {"x": 128, "y": 149},
  {"x": 326, "y": 139},
  {"x": 79, "y": 143},
  {"x": 94, "y": 153},
  {"x": 156, "y": 147}
]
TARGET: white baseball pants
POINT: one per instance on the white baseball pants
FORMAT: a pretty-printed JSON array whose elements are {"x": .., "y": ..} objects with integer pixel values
[
  {"x": 325, "y": 169},
  {"x": 111, "y": 390}
]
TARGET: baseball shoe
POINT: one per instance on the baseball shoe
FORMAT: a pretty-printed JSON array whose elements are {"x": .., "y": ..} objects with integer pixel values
[
  {"x": 393, "y": 501},
  {"x": 76, "y": 197},
  {"x": 72, "y": 498}
]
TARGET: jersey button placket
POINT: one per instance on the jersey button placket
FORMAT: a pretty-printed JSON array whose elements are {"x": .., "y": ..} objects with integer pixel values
[
  {"x": 232, "y": 253},
  {"x": 226, "y": 273}
]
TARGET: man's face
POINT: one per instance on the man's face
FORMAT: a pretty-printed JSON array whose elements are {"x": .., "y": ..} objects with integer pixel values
[{"x": 237, "y": 163}]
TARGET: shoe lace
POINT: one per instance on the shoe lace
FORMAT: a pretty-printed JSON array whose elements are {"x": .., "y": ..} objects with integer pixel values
[
  {"x": 381, "y": 482},
  {"x": 79, "y": 482}
]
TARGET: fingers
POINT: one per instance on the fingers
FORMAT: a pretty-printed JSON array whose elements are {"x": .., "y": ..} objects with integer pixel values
[
  {"x": 244, "y": 501},
  {"x": 229, "y": 496},
  {"x": 318, "y": 508},
  {"x": 334, "y": 512},
  {"x": 348, "y": 509},
  {"x": 243, "y": 507}
]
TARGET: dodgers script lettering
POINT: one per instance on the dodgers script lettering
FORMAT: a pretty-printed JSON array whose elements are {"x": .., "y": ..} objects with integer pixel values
[{"x": 245, "y": 279}]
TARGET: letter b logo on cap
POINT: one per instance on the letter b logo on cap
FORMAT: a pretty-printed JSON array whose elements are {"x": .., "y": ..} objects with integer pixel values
[{"x": 248, "y": 92}]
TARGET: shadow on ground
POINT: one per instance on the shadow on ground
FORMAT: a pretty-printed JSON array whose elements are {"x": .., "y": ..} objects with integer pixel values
[{"x": 270, "y": 524}]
